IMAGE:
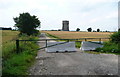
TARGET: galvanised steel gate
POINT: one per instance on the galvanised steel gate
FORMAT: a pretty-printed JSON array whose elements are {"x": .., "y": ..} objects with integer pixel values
[{"x": 66, "y": 41}]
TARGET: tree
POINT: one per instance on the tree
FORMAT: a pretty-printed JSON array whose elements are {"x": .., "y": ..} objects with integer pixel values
[
  {"x": 89, "y": 29},
  {"x": 98, "y": 30},
  {"x": 78, "y": 29},
  {"x": 119, "y": 29},
  {"x": 27, "y": 24}
]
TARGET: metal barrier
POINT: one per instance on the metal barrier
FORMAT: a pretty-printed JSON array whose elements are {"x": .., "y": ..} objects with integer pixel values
[{"x": 46, "y": 40}]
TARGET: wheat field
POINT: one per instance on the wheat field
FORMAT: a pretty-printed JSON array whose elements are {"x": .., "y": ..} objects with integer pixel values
[
  {"x": 9, "y": 35},
  {"x": 78, "y": 35}
]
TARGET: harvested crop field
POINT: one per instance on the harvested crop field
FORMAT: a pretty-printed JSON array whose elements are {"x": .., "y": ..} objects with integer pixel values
[
  {"x": 77, "y": 35},
  {"x": 8, "y": 35}
]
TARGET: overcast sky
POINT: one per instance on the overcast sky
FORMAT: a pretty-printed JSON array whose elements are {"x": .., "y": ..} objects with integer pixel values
[{"x": 102, "y": 14}]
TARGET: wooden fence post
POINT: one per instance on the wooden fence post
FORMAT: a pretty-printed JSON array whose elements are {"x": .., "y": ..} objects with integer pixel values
[{"x": 17, "y": 46}]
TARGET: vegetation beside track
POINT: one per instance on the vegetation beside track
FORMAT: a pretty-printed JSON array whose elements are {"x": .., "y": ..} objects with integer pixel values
[{"x": 17, "y": 63}]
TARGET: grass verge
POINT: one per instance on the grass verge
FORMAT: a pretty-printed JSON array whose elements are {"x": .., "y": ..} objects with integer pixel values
[
  {"x": 52, "y": 36},
  {"x": 18, "y": 64},
  {"x": 110, "y": 48}
]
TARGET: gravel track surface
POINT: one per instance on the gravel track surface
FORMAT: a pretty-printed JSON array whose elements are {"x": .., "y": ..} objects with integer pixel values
[{"x": 73, "y": 63}]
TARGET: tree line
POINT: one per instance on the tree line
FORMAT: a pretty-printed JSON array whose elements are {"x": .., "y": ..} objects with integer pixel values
[
  {"x": 28, "y": 24},
  {"x": 90, "y": 30}
]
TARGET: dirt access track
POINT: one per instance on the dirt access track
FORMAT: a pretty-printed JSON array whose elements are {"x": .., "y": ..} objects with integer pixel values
[{"x": 74, "y": 63}]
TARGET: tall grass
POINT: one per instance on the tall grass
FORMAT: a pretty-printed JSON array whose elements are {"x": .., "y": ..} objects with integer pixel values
[
  {"x": 109, "y": 47},
  {"x": 8, "y": 49},
  {"x": 18, "y": 64}
]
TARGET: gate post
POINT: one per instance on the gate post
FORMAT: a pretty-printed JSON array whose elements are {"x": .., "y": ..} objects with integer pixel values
[
  {"x": 99, "y": 40},
  {"x": 46, "y": 43},
  {"x": 17, "y": 46}
]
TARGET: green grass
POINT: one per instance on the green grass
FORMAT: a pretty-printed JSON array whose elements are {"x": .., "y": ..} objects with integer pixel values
[
  {"x": 78, "y": 44},
  {"x": 52, "y": 36},
  {"x": 18, "y": 64},
  {"x": 109, "y": 47},
  {"x": 8, "y": 49}
]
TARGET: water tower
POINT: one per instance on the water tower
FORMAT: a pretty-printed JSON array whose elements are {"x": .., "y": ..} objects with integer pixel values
[{"x": 65, "y": 25}]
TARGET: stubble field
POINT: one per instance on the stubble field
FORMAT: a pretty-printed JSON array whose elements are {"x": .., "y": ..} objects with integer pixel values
[
  {"x": 77, "y": 35},
  {"x": 8, "y": 35}
]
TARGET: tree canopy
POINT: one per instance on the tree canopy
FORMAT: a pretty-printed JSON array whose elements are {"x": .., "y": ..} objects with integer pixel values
[
  {"x": 115, "y": 37},
  {"x": 98, "y": 30},
  {"x": 27, "y": 24},
  {"x": 78, "y": 29},
  {"x": 89, "y": 29}
]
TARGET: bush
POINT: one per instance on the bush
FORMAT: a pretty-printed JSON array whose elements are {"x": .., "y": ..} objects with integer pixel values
[
  {"x": 109, "y": 47},
  {"x": 113, "y": 45},
  {"x": 115, "y": 37}
]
